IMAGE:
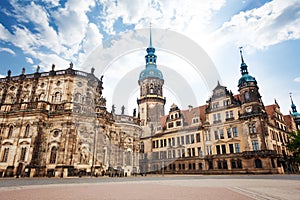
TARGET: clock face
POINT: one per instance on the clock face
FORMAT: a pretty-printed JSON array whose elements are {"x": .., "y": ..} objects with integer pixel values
[{"x": 249, "y": 109}]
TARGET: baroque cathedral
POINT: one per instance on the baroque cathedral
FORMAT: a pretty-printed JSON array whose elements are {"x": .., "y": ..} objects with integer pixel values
[{"x": 56, "y": 124}]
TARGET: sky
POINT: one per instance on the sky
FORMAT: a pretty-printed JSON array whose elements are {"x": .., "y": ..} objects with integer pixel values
[{"x": 46, "y": 32}]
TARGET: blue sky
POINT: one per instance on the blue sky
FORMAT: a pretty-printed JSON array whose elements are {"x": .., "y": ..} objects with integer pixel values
[{"x": 43, "y": 32}]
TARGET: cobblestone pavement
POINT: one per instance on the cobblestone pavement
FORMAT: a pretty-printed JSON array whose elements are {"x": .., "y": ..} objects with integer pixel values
[{"x": 154, "y": 187}]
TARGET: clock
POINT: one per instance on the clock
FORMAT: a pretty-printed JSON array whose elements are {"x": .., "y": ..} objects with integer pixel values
[{"x": 248, "y": 109}]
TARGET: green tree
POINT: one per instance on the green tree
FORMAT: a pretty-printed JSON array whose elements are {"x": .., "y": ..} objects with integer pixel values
[{"x": 294, "y": 146}]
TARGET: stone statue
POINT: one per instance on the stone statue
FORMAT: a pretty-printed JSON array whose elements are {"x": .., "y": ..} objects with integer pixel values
[
  {"x": 123, "y": 109},
  {"x": 134, "y": 112},
  {"x": 9, "y": 73},
  {"x": 53, "y": 67},
  {"x": 101, "y": 78},
  {"x": 92, "y": 70},
  {"x": 71, "y": 65},
  {"x": 113, "y": 109},
  {"x": 23, "y": 71},
  {"x": 38, "y": 69}
]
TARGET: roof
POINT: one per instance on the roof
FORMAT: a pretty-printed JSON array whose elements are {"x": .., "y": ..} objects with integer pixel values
[
  {"x": 270, "y": 109},
  {"x": 288, "y": 120},
  {"x": 150, "y": 71},
  {"x": 188, "y": 115}
]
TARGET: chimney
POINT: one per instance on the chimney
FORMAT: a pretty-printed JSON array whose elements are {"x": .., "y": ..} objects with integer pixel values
[{"x": 190, "y": 108}]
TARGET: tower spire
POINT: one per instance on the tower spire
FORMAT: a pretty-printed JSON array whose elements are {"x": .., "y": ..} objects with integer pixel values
[
  {"x": 242, "y": 59},
  {"x": 150, "y": 35},
  {"x": 293, "y": 106},
  {"x": 244, "y": 67}
]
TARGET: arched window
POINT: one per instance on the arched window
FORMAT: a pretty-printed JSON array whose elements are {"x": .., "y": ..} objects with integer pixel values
[
  {"x": 53, "y": 155},
  {"x": 27, "y": 130},
  {"x": 23, "y": 153},
  {"x": 10, "y": 132},
  {"x": 42, "y": 97},
  {"x": 5, "y": 155},
  {"x": 142, "y": 147},
  {"x": 258, "y": 163},
  {"x": 151, "y": 88},
  {"x": 57, "y": 97},
  {"x": 247, "y": 97}
]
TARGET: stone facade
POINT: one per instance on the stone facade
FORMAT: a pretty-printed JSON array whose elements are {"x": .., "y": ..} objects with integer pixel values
[{"x": 56, "y": 124}]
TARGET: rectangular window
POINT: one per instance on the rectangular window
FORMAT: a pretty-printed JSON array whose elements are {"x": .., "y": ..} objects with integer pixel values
[
  {"x": 178, "y": 123},
  {"x": 5, "y": 155},
  {"x": 189, "y": 152},
  {"x": 179, "y": 153},
  {"x": 200, "y": 166},
  {"x": 208, "y": 150},
  {"x": 153, "y": 144},
  {"x": 165, "y": 142},
  {"x": 218, "y": 149},
  {"x": 193, "y": 152},
  {"x": 182, "y": 140},
  {"x": 231, "y": 150},
  {"x": 207, "y": 136},
  {"x": 237, "y": 148},
  {"x": 231, "y": 114},
  {"x": 192, "y": 139},
  {"x": 200, "y": 153},
  {"x": 223, "y": 149},
  {"x": 173, "y": 141},
  {"x": 216, "y": 135},
  {"x": 215, "y": 117},
  {"x": 227, "y": 114},
  {"x": 235, "y": 132},
  {"x": 229, "y": 135},
  {"x": 178, "y": 141},
  {"x": 169, "y": 142},
  {"x": 219, "y": 117},
  {"x": 252, "y": 128},
  {"x": 221, "y": 134},
  {"x": 255, "y": 145},
  {"x": 198, "y": 139},
  {"x": 169, "y": 154},
  {"x": 187, "y": 139},
  {"x": 170, "y": 125}
]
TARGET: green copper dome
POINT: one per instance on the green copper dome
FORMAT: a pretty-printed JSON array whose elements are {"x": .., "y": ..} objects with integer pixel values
[
  {"x": 150, "y": 72},
  {"x": 247, "y": 78},
  {"x": 244, "y": 70}
]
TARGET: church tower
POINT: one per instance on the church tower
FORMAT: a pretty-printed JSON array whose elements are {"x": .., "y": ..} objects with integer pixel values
[{"x": 151, "y": 101}]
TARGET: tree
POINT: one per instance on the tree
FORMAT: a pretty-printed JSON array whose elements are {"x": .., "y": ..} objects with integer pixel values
[{"x": 294, "y": 146}]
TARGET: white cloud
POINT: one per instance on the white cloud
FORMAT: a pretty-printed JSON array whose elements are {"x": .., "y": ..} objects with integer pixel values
[
  {"x": 8, "y": 51},
  {"x": 297, "y": 79},
  {"x": 270, "y": 24},
  {"x": 29, "y": 60},
  {"x": 176, "y": 14}
]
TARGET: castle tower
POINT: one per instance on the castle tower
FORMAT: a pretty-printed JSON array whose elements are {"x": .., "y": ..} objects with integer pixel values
[
  {"x": 252, "y": 111},
  {"x": 151, "y": 101},
  {"x": 249, "y": 95}
]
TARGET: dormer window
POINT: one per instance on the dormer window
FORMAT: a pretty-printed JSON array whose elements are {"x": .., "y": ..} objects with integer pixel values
[{"x": 195, "y": 120}]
